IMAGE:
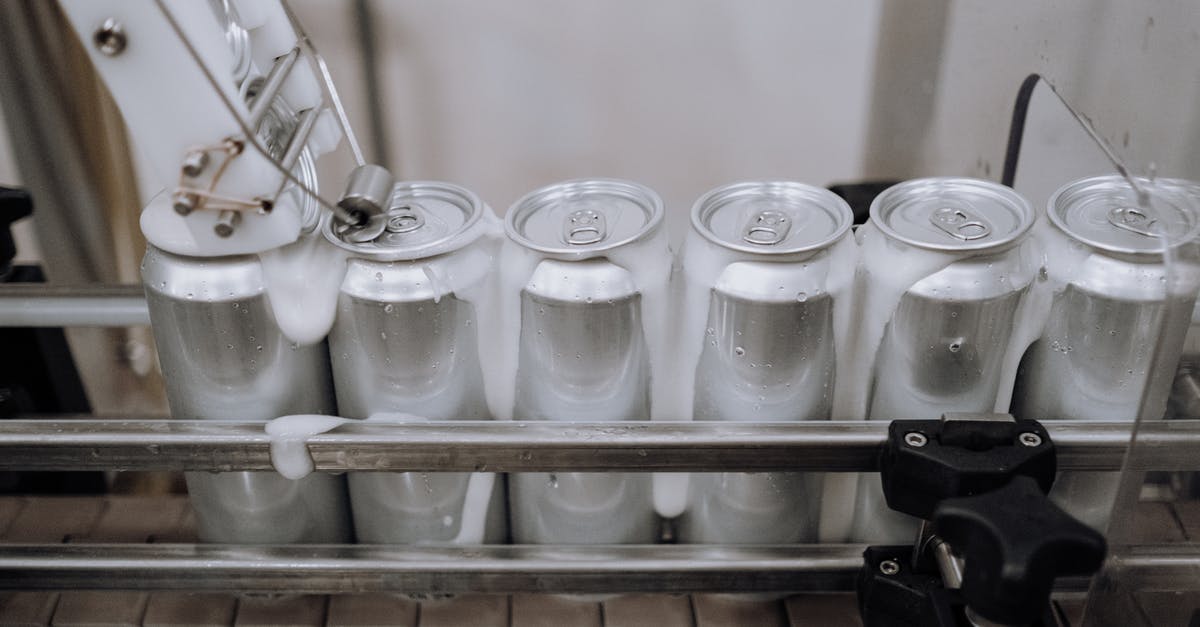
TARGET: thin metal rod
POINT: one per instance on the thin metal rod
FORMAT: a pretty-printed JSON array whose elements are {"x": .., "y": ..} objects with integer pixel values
[
  {"x": 249, "y": 135},
  {"x": 330, "y": 88},
  {"x": 433, "y": 569},
  {"x": 40, "y": 305},
  {"x": 119, "y": 444},
  {"x": 271, "y": 86}
]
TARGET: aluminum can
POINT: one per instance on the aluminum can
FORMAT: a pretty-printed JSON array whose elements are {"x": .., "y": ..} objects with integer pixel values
[
  {"x": 767, "y": 346},
  {"x": 1094, "y": 359},
  {"x": 582, "y": 353},
  {"x": 946, "y": 343},
  {"x": 406, "y": 340},
  {"x": 224, "y": 358}
]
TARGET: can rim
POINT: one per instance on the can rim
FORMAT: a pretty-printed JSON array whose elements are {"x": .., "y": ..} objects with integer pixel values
[
  {"x": 714, "y": 198},
  {"x": 997, "y": 190},
  {"x": 635, "y": 192},
  {"x": 456, "y": 194},
  {"x": 1075, "y": 187}
]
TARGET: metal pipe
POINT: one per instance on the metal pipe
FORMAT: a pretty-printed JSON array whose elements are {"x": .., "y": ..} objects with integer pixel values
[
  {"x": 271, "y": 86},
  {"x": 853, "y": 446},
  {"x": 433, "y": 569},
  {"x": 33, "y": 305}
]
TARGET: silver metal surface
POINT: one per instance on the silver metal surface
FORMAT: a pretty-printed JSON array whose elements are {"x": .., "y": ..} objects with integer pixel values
[
  {"x": 952, "y": 214},
  {"x": 1095, "y": 358},
  {"x": 582, "y": 357},
  {"x": 368, "y": 194},
  {"x": 434, "y": 569},
  {"x": 943, "y": 348},
  {"x": 90, "y": 443},
  {"x": 264, "y": 99},
  {"x": 455, "y": 211},
  {"x": 39, "y": 305},
  {"x": 542, "y": 219},
  {"x": 582, "y": 354},
  {"x": 227, "y": 222},
  {"x": 223, "y": 356},
  {"x": 764, "y": 356},
  {"x": 771, "y": 217},
  {"x": 404, "y": 343},
  {"x": 110, "y": 37}
]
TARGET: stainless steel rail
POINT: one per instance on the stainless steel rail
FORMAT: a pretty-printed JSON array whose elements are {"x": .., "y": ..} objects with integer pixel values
[
  {"x": 121, "y": 444},
  {"x": 487, "y": 569},
  {"x": 33, "y": 305}
]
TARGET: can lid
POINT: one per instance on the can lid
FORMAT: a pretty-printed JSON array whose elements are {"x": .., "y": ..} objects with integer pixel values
[
  {"x": 952, "y": 214},
  {"x": 771, "y": 217},
  {"x": 1104, "y": 212},
  {"x": 584, "y": 216},
  {"x": 423, "y": 219}
]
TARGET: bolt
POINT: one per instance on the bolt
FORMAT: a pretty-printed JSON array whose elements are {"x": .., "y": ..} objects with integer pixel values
[
  {"x": 110, "y": 37},
  {"x": 227, "y": 221},
  {"x": 194, "y": 163},
  {"x": 915, "y": 439},
  {"x": 184, "y": 202},
  {"x": 1030, "y": 439},
  {"x": 889, "y": 567}
]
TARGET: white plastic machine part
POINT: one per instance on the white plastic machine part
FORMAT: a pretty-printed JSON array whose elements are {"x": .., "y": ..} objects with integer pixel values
[{"x": 173, "y": 110}]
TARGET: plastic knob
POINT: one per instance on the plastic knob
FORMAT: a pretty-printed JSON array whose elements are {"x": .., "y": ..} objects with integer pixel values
[{"x": 1015, "y": 542}]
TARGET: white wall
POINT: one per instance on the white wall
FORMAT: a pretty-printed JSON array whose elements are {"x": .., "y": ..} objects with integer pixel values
[{"x": 682, "y": 95}]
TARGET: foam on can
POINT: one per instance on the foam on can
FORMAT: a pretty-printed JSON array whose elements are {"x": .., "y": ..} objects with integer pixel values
[
  {"x": 1104, "y": 303},
  {"x": 946, "y": 263},
  {"x": 406, "y": 340},
  {"x": 583, "y": 304},
  {"x": 224, "y": 357},
  {"x": 767, "y": 283}
]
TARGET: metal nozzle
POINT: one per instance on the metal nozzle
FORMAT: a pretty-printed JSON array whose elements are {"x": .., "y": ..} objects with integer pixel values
[{"x": 368, "y": 193}]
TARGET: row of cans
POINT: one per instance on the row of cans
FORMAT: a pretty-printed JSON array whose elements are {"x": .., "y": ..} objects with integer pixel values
[{"x": 777, "y": 309}]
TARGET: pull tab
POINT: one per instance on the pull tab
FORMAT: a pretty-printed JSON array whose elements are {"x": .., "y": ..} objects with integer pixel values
[
  {"x": 1134, "y": 220},
  {"x": 766, "y": 227},
  {"x": 959, "y": 223},
  {"x": 585, "y": 226},
  {"x": 404, "y": 219}
]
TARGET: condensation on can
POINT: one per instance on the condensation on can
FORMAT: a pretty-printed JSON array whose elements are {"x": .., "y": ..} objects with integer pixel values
[
  {"x": 582, "y": 355},
  {"x": 406, "y": 341},
  {"x": 768, "y": 350},
  {"x": 1095, "y": 357},
  {"x": 944, "y": 347},
  {"x": 224, "y": 358}
]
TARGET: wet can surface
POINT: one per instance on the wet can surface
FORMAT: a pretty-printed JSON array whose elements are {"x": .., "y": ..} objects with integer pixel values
[
  {"x": 1107, "y": 305},
  {"x": 405, "y": 346},
  {"x": 224, "y": 358},
  {"x": 945, "y": 270},
  {"x": 759, "y": 254},
  {"x": 582, "y": 352}
]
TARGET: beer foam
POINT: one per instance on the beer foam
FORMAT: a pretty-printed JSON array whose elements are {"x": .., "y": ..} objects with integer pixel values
[
  {"x": 473, "y": 518},
  {"x": 302, "y": 281},
  {"x": 648, "y": 262},
  {"x": 830, "y": 271},
  {"x": 473, "y": 521},
  {"x": 289, "y": 441}
]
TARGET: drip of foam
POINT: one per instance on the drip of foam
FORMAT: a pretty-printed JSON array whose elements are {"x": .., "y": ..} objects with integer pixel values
[
  {"x": 302, "y": 281},
  {"x": 289, "y": 441},
  {"x": 475, "y": 507},
  {"x": 473, "y": 519},
  {"x": 671, "y": 493},
  {"x": 1034, "y": 310}
]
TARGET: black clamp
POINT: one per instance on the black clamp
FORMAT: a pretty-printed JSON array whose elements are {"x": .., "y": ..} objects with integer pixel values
[{"x": 993, "y": 543}]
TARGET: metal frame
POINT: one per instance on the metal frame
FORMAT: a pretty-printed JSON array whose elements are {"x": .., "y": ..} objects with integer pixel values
[{"x": 93, "y": 443}]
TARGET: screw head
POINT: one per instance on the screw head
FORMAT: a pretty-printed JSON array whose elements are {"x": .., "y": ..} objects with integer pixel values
[
  {"x": 110, "y": 37},
  {"x": 889, "y": 567},
  {"x": 1030, "y": 439},
  {"x": 194, "y": 163},
  {"x": 184, "y": 203},
  {"x": 915, "y": 439}
]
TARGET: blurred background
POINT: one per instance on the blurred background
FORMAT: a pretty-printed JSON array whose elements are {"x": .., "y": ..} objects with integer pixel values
[{"x": 682, "y": 95}]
